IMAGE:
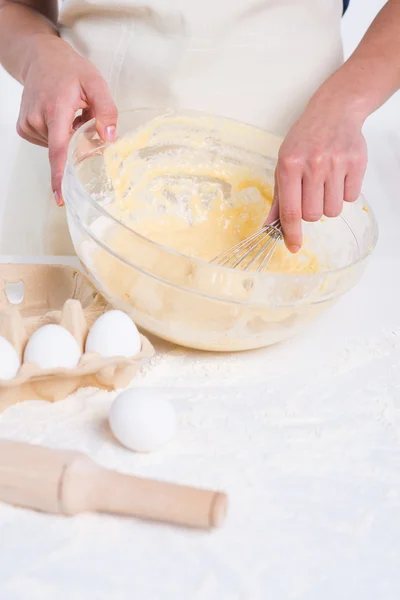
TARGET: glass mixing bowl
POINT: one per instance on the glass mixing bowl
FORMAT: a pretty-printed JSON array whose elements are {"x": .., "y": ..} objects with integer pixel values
[{"x": 189, "y": 301}]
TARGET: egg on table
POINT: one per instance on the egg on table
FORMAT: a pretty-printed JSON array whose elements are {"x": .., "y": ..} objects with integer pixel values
[
  {"x": 114, "y": 334},
  {"x": 53, "y": 347},
  {"x": 9, "y": 360},
  {"x": 143, "y": 419}
]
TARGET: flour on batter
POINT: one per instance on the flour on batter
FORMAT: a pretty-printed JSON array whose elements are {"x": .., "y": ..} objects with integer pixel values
[{"x": 185, "y": 183}]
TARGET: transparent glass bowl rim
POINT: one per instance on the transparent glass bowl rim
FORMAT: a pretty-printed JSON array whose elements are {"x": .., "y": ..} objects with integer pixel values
[{"x": 262, "y": 275}]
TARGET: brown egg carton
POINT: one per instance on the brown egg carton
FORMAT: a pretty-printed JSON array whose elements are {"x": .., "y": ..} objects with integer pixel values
[{"x": 32, "y": 296}]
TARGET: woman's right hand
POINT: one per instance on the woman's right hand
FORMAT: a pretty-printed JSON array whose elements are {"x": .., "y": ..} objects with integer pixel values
[{"x": 59, "y": 82}]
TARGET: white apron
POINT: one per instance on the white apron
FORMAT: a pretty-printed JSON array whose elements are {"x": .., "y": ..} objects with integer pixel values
[{"x": 254, "y": 60}]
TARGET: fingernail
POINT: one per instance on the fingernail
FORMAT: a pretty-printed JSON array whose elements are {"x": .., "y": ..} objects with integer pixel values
[
  {"x": 294, "y": 249},
  {"x": 110, "y": 133},
  {"x": 58, "y": 199}
]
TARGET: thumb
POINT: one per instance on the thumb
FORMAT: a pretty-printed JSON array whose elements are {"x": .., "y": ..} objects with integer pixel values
[
  {"x": 104, "y": 108},
  {"x": 274, "y": 212}
]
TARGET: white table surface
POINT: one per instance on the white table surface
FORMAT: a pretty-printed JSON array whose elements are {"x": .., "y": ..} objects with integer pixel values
[{"x": 305, "y": 438}]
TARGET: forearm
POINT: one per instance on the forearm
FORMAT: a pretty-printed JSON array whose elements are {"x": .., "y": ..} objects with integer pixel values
[
  {"x": 372, "y": 74},
  {"x": 22, "y": 29}
]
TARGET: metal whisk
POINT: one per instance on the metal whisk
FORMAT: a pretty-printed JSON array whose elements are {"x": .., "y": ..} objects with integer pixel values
[{"x": 253, "y": 253}]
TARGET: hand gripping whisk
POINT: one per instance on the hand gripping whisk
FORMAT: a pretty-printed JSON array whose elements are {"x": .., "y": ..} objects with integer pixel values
[{"x": 254, "y": 252}]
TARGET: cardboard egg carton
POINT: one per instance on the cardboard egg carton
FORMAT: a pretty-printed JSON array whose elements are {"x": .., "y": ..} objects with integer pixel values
[{"x": 32, "y": 296}]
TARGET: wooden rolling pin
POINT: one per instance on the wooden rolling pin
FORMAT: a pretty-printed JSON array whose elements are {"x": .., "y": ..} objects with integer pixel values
[{"x": 68, "y": 483}]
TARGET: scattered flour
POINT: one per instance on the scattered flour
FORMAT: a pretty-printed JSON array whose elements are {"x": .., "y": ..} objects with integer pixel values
[{"x": 310, "y": 459}]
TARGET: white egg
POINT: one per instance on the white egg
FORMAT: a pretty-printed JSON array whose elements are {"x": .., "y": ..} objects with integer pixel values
[
  {"x": 114, "y": 334},
  {"x": 52, "y": 347},
  {"x": 9, "y": 360},
  {"x": 143, "y": 419}
]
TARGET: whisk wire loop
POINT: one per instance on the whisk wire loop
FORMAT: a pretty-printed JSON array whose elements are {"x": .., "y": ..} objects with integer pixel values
[{"x": 254, "y": 252}]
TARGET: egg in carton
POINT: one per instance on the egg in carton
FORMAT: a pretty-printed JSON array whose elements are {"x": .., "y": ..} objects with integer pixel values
[{"x": 32, "y": 296}]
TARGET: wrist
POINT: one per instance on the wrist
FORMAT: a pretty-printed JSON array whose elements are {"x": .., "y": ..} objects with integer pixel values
[
  {"x": 342, "y": 96},
  {"x": 41, "y": 44}
]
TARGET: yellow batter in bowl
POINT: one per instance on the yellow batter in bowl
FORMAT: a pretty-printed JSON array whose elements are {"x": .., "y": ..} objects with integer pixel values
[
  {"x": 173, "y": 185},
  {"x": 147, "y": 213}
]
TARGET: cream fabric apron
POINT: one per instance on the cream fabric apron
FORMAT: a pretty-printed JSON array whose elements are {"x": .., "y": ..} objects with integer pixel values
[{"x": 253, "y": 60}]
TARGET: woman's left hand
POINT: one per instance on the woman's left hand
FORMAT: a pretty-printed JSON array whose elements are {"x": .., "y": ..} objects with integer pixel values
[{"x": 321, "y": 164}]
